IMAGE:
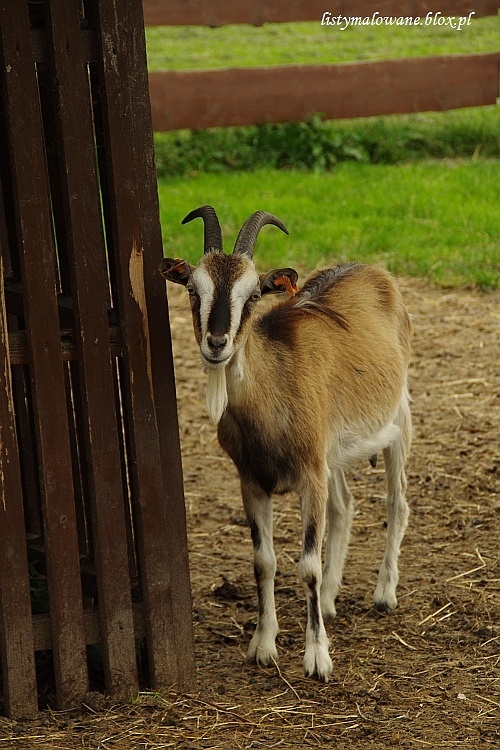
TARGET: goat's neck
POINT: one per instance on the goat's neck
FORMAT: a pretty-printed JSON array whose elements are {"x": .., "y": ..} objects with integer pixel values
[{"x": 237, "y": 375}]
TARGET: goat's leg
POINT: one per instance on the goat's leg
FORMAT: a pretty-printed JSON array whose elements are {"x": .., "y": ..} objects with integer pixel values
[
  {"x": 317, "y": 661},
  {"x": 259, "y": 511},
  {"x": 339, "y": 511},
  {"x": 397, "y": 511}
]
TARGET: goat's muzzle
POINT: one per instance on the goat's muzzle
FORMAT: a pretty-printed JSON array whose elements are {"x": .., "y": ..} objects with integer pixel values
[{"x": 213, "y": 350}]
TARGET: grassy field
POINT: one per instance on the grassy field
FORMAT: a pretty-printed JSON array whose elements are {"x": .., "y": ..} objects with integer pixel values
[
  {"x": 185, "y": 47},
  {"x": 418, "y": 193},
  {"x": 431, "y": 219}
]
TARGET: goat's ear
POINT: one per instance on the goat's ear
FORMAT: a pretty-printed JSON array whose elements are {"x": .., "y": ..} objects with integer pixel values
[
  {"x": 176, "y": 270},
  {"x": 279, "y": 280}
]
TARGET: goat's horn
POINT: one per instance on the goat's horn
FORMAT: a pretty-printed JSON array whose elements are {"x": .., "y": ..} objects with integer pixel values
[
  {"x": 212, "y": 231},
  {"x": 247, "y": 236}
]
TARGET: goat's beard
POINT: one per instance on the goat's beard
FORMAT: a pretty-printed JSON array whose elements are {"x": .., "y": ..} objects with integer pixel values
[{"x": 216, "y": 393}]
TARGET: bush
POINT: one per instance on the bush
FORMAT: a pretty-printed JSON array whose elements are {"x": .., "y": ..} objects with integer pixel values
[{"x": 319, "y": 145}]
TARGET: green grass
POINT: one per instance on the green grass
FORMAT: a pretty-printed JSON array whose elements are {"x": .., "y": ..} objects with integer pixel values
[
  {"x": 438, "y": 220},
  {"x": 191, "y": 47}
]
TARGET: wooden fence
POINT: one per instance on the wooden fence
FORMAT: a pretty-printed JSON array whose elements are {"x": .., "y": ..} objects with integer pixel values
[
  {"x": 238, "y": 96},
  {"x": 93, "y": 547},
  {"x": 91, "y": 493}
]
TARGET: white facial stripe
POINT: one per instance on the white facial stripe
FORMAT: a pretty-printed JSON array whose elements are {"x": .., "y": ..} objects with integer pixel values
[
  {"x": 204, "y": 286},
  {"x": 242, "y": 289}
]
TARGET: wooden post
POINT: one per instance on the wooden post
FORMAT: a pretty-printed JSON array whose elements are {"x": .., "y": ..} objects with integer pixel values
[
  {"x": 17, "y": 657},
  {"x": 129, "y": 184}
]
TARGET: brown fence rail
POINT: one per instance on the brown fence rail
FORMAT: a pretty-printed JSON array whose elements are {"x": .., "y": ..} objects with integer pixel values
[
  {"x": 257, "y": 12},
  {"x": 239, "y": 96},
  {"x": 91, "y": 500},
  {"x": 247, "y": 96}
]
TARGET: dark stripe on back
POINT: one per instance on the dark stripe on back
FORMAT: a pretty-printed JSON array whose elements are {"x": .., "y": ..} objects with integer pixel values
[{"x": 323, "y": 281}]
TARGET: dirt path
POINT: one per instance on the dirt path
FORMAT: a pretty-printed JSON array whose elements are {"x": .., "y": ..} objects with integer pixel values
[{"x": 427, "y": 676}]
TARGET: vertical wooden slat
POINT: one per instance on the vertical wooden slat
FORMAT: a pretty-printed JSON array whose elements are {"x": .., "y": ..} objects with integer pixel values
[
  {"x": 16, "y": 632},
  {"x": 125, "y": 461},
  {"x": 27, "y": 452},
  {"x": 119, "y": 28},
  {"x": 78, "y": 460},
  {"x": 45, "y": 83},
  {"x": 37, "y": 262},
  {"x": 85, "y": 246},
  {"x": 161, "y": 357}
]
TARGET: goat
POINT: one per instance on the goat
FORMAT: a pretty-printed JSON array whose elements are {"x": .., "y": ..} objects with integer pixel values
[{"x": 301, "y": 393}]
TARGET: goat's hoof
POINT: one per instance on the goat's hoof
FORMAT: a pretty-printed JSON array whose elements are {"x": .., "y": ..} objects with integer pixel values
[
  {"x": 262, "y": 650},
  {"x": 384, "y": 598},
  {"x": 328, "y": 611},
  {"x": 384, "y": 607},
  {"x": 317, "y": 663}
]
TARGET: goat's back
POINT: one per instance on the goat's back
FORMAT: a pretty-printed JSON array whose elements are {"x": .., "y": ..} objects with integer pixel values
[
  {"x": 343, "y": 342},
  {"x": 362, "y": 301},
  {"x": 367, "y": 298}
]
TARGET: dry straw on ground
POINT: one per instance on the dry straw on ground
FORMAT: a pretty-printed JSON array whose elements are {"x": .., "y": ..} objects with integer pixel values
[{"x": 426, "y": 677}]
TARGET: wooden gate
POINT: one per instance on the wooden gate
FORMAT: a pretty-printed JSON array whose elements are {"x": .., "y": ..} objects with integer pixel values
[{"x": 91, "y": 498}]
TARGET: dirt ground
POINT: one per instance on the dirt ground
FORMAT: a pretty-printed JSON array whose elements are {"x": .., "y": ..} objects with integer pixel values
[{"x": 426, "y": 676}]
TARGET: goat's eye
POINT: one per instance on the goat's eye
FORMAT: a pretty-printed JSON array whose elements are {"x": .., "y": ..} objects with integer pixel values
[{"x": 255, "y": 296}]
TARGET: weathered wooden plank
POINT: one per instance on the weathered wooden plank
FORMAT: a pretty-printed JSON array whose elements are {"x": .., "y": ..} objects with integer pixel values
[
  {"x": 36, "y": 261},
  {"x": 90, "y": 291},
  {"x": 27, "y": 454},
  {"x": 18, "y": 345},
  {"x": 16, "y": 632},
  {"x": 246, "y": 96},
  {"x": 162, "y": 371},
  {"x": 41, "y": 52},
  {"x": 78, "y": 460},
  {"x": 43, "y": 636},
  {"x": 257, "y": 12},
  {"x": 21, "y": 393},
  {"x": 121, "y": 45}
]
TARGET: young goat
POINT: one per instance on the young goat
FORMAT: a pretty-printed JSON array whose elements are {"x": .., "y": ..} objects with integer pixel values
[{"x": 315, "y": 385}]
